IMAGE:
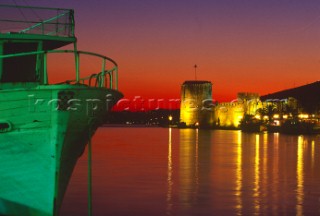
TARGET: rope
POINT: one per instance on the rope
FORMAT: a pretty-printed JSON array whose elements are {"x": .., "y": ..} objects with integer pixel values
[
  {"x": 21, "y": 12},
  {"x": 89, "y": 172},
  {"x": 35, "y": 13}
]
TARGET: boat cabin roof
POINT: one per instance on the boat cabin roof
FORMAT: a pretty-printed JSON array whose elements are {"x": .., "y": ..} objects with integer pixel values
[{"x": 48, "y": 42}]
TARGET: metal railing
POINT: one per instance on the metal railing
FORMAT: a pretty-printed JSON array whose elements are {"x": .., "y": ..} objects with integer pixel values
[
  {"x": 37, "y": 20},
  {"x": 105, "y": 78}
]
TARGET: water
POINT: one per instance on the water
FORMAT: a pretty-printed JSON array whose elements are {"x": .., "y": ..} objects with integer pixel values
[{"x": 162, "y": 171}]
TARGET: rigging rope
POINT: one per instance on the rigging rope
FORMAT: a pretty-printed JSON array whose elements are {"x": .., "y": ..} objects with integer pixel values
[
  {"x": 21, "y": 12},
  {"x": 90, "y": 171},
  {"x": 35, "y": 13}
]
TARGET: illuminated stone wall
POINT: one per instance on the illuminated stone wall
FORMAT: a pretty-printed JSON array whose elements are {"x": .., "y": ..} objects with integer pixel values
[
  {"x": 197, "y": 108},
  {"x": 251, "y": 102},
  {"x": 196, "y": 100},
  {"x": 230, "y": 114}
]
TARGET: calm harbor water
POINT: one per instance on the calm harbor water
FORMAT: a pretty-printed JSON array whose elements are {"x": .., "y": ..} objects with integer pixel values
[{"x": 162, "y": 171}]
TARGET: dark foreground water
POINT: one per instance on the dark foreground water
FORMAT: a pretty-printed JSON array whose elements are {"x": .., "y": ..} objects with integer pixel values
[{"x": 162, "y": 171}]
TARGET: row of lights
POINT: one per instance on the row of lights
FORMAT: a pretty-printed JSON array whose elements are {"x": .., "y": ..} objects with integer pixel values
[{"x": 277, "y": 116}]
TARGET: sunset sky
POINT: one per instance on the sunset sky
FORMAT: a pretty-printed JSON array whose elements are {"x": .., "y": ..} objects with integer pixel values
[{"x": 239, "y": 45}]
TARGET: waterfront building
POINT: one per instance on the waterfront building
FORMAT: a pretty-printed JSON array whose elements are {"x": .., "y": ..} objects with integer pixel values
[
  {"x": 196, "y": 107},
  {"x": 230, "y": 114}
]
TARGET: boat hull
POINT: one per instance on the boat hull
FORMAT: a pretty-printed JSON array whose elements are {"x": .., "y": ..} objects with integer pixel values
[{"x": 43, "y": 133}]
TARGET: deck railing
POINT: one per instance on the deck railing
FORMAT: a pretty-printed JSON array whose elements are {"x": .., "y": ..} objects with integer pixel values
[
  {"x": 37, "y": 20},
  {"x": 105, "y": 78}
]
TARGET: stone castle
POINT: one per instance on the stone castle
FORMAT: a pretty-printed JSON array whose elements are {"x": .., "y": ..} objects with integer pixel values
[{"x": 197, "y": 108}]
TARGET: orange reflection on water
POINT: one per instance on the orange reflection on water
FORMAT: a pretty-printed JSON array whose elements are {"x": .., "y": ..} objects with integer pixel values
[
  {"x": 312, "y": 153},
  {"x": 157, "y": 171},
  {"x": 265, "y": 163},
  {"x": 197, "y": 160},
  {"x": 238, "y": 188},
  {"x": 275, "y": 169},
  {"x": 170, "y": 172},
  {"x": 188, "y": 166},
  {"x": 300, "y": 192},
  {"x": 256, "y": 189}
]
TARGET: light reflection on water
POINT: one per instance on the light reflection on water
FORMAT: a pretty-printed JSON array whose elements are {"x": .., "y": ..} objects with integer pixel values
[
  {"x": 164, "y": 171},
  {"x": 239, "y": 174},
  {"x": 170, "y": 172}
]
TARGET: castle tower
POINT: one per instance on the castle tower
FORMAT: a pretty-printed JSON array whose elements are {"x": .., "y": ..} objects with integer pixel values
[{"x": 196, "y": 103}]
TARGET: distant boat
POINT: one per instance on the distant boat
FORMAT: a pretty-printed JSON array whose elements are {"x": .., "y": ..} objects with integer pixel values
[
  {"x": 249, "y": 124},
  {"x": 294, "y": 126},
  {"x": 253, "y": 127},
  {"x": 44, "y": 127}
]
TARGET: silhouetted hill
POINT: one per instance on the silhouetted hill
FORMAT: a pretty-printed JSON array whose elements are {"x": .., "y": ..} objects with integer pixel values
[{"x": 308, "y": 96}]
